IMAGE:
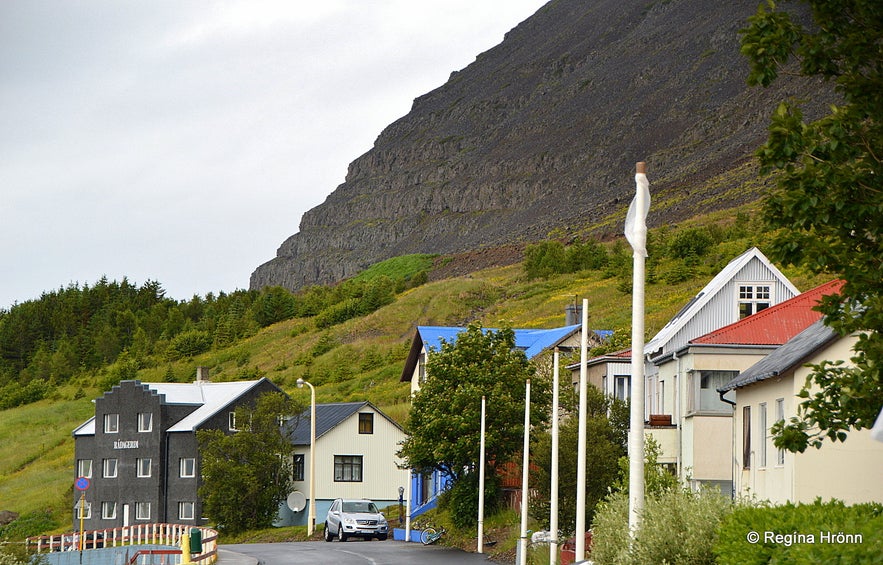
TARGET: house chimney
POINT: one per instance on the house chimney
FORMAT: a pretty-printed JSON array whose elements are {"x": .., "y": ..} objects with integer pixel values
[
  {"x": 201, "y": 375},
  {"x": 573, "y": 313}
]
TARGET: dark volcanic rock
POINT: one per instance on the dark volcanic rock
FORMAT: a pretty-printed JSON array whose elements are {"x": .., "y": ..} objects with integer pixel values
[{"x": 542, "y": 132}]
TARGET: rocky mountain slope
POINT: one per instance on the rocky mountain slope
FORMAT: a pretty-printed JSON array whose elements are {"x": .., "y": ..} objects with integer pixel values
[{"x": 540, "y": 135}]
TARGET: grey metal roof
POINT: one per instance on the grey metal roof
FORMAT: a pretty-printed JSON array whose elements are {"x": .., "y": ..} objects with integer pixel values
[
  {"x": 328, "y": 417},
  {"x": 208, "y": 397},
  {"x": 786, "y": 357}
]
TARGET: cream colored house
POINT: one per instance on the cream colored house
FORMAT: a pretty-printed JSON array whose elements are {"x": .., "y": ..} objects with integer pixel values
[
  {"x": 356, "y": 447},
  {"x": 694, "y": 423},
  {"x": 767, "y": 392}
]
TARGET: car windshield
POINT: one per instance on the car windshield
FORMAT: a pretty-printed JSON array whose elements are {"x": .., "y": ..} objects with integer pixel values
[{"x": 359, "y": 506}]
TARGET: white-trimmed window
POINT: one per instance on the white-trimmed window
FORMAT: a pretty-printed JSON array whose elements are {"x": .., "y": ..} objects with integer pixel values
[
  {"x": 111, "y": 423},
  {"x": 108, "y": 510},
  {"x": 764, "y": 435},
  {"x": 186, "y": 510},
  {"x": 231, "y": 422},
  {"x": 83, "y": 509},
  {"x": 187, "y": 467},
  {"x": 702, "y": 396},
  {"x": 145, "y": 421},
  {"x": 366, "y": 423},
  {"x": 348, "y": 468},
  {"x": 109, "y": 468},
  {"x": 142, "y": 466},
  {"x": 142, "y": 511},
  {"x": 297, "y": 468},
  {"x": 84, "y": 468},
  {"x": 752, "y": 298},
  {"x": 622, "y": 387},
  {"x": 780, "y": 415}
]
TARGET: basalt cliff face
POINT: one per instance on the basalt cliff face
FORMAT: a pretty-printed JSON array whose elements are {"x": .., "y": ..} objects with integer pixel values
[{"x": 540, "y": 136}]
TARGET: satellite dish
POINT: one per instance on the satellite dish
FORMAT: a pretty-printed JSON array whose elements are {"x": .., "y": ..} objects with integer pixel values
[{"x": 296, "y": 501}]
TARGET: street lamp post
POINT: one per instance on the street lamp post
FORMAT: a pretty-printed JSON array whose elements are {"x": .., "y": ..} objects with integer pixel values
[{"x": 311, "y": 518}]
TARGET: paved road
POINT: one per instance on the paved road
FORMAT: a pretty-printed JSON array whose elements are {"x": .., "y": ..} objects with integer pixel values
[{"x": 354, "y": 552}]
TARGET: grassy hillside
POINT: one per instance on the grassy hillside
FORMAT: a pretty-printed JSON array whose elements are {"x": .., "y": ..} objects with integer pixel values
[{"x": 360, "y": 359}]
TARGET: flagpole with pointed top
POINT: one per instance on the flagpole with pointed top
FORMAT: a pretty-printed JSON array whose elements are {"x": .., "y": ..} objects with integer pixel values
[{"x": 636, "y": 233}]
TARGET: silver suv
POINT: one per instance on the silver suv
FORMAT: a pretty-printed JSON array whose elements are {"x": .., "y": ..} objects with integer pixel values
[{"x": 347, "y": 518}]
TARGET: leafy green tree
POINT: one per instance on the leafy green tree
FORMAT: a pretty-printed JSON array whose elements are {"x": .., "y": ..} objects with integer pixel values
[
  {"x": 544, "y": 259},
  {"x": 275, "y": 304},
  {"x": 828, "y": 200},
  {"x": 445, "y": 418},
  {"x": 247, "y": 474},
  {"x": 606, "y": 439}
]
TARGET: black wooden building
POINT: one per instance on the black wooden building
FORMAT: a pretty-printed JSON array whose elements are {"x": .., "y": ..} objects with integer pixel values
[{"x": 140, "y": 453}]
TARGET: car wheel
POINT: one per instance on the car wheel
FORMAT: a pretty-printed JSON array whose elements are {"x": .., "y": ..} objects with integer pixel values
[
  {"x": 382, "y": 537},
  {"x": 327, "y": 533},
  {"x": 340, "y": 535}
]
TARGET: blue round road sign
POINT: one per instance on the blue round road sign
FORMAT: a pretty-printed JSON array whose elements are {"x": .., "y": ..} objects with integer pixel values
[{"x": 82, "y": 483}]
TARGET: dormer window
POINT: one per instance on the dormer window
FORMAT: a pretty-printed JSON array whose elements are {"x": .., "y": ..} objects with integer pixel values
[{"x": 753, "y": 298}]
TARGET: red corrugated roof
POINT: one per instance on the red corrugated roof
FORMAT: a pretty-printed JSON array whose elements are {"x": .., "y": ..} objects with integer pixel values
[{"x": 776, "y": 324}]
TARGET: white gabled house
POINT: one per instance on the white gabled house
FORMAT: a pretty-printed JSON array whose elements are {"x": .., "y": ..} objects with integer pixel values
[
  {"x": 748, "y": 284},
  {"x": 766, "y": 393},
  {"x": 356, "y": 447},
  {"x": 694, "y": 427}
]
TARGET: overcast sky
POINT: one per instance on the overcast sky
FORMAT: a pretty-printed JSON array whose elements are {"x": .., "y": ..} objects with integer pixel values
[{"x": 181, "y": 141}]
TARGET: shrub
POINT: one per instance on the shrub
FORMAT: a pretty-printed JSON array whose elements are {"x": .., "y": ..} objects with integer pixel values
[
  {"x": 794, "y": 524},
  {"x": 188, "y": 344},
  {"x": 544, "y": 259},
  {"x": 677, "y": 526},
  {"x": 695, "y": 241}
]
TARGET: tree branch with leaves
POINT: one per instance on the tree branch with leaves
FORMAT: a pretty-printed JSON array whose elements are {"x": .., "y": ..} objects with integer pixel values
[{"x": 827, "y": 206}]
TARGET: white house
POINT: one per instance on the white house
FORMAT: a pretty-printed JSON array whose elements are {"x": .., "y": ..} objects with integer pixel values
[
  {"x": 694, "y": 423},
  {"x": 747, "y": 285},
  {"x": 766, "y": 393},
  {"x": 356, "y": 447}
]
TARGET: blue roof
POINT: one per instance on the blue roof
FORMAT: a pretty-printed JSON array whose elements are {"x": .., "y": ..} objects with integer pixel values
[{"x": 531, "y": 341}]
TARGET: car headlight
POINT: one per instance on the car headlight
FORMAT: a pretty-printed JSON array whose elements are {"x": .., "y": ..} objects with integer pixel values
[{"x": 349, "y": 520}]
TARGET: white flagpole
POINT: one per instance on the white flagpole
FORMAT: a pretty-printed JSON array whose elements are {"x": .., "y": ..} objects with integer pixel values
[
  {"x": 524, "y": 474},
  {"x": 580, "y": 552},
  {"x": 480, "y": 544},
  {"x": 553, "y": 488},
  {"x": 636, "y": 232}
]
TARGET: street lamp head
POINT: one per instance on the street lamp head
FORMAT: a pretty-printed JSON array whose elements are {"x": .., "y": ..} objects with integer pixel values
[{"x": 300, "y": 382}]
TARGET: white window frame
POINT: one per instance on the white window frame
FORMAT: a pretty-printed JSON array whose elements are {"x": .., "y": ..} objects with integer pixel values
[
  {"x": 231, "y": 422},
  {"x": 109, "y": 510},
  {"x": 143, "y": 467},
  {"x": 763, "y": 430},
  {"x": 145, "y": 421},
  {"x": 186, "y": 510},
  {"x": 342, "y": 463},
  {"x": 111, "y": 423},
  {"x": 298, "y": 467},
  {"x": 142, "y": 511},
  {"x": 618, "y": 381},
  {"x": 695, "y": 388},
  {"x": 83, "y": 513},
  {"x": 84, "y": 468},
  {"x": 183, "y": 463},
  {"x": 780, "y": 416},
  {"x": 757, "y": 296},
  {"x": 109, "y": 468}
]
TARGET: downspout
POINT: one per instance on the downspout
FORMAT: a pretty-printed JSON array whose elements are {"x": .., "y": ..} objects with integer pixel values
[
  {"x": 733, "y": 463},
  {"x": 678, "y": 413}
]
